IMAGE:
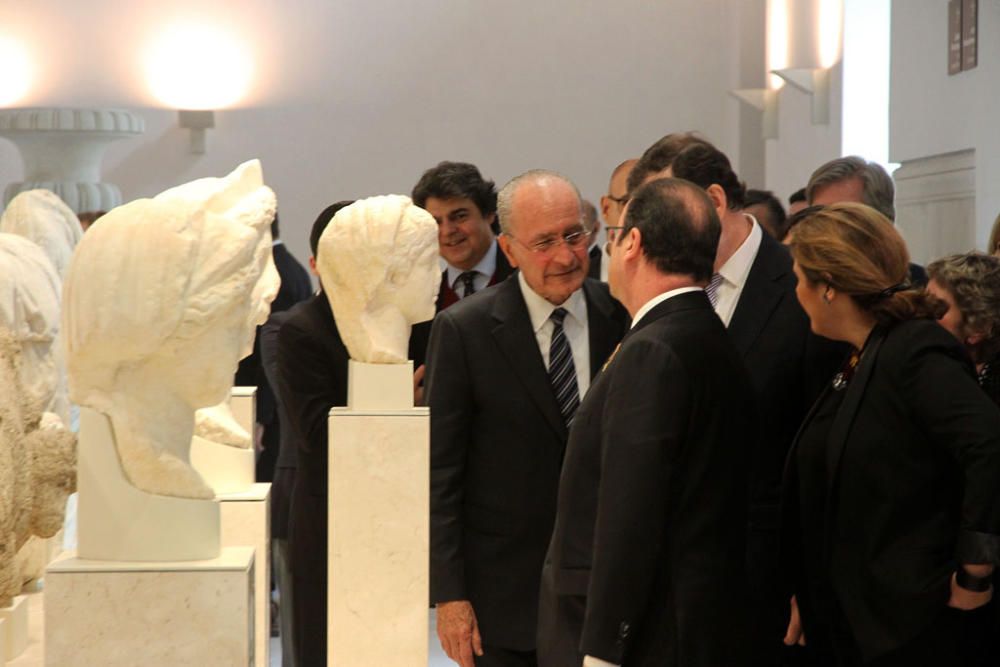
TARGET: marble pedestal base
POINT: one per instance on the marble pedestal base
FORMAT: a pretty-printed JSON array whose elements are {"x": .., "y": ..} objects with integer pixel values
[
  {"x": 155, "y": 614},
  {"x": 3, "y": 642},
  {"x": 15, "y": 620},
  {"x": 246, "y": 521},
  {"x": 378, "y": 532}
]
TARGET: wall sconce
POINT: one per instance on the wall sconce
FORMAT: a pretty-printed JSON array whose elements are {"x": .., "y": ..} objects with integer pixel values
[
  {"x": 196, "y": 121},
  {"x": 814, "y": 81},
  {"x": 766, "y": 101}
]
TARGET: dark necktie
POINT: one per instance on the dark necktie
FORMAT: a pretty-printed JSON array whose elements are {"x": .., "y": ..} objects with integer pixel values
[
  {"x": 466, "y": 278},
  {"x": 562, "y": 372},
  {"x": 713, "y": 289}
]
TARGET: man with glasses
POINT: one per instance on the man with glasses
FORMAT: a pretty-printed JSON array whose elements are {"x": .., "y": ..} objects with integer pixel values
[
  {"x": 507, "y": 369},
  {"x": 612, "y": 205}
]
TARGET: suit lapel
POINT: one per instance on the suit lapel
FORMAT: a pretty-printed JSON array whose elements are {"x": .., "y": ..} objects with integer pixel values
[
  {"x": 601, "y": 326},
  {"x": 516, "y": 339},
  {"x": 842, "y": 423},
  {"x": 761, "y": 294}
]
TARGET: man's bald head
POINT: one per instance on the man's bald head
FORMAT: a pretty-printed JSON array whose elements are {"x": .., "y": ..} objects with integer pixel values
[{"x": 613, "y": 202}]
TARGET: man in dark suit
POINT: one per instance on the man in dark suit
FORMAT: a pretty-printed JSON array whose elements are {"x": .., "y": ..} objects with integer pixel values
[
  {"x": 753, "y": 291},
  {"x": 854, "y": 179},
  {"x": 464, "y": 205},
  {"x": 646, "y": 564},
  {"x": 506, "y": 370},
  {"x": 311, "y": 367},
  {"x": 295, "y": 287}
]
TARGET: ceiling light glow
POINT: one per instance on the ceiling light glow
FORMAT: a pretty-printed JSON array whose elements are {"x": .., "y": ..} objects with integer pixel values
[
  {"x": 15, "y": 72},
  {"x": 198, "y": 67}
]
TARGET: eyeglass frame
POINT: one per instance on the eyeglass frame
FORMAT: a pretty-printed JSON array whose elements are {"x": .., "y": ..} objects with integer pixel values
[
  {"x": 580, "y": 236},
  {"x": 608, "y": 231}
]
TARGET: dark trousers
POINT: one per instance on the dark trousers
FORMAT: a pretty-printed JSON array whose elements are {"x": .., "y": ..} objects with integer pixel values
[
  {"x": 494, "y": 656},
  {"x": 307, "y": 558}
]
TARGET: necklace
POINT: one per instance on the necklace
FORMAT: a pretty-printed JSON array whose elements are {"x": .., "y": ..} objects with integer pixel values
[{"x": 843, "y": 378}]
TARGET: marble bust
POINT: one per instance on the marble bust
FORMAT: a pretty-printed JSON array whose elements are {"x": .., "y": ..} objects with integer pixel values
[
  {"x": 159, "y": 304},
  {"x": 378, "y": 264},
  {"x": 42, "y": 217},
  {"x": 37, "y": 453}
]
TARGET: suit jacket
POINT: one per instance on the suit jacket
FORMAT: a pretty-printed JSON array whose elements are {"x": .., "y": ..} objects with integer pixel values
[
  {"x": 596, "y": 256},
  {"x": 497, "y": 441},
  {"x": 284, "y": 475},
  {"x": 912, "y": 463},
  {"x": 312, "y": 367},
  {"x": 295, "y": 287},
  {"x": 650, "y": 532},
  {"x": 788, "y": 365}
]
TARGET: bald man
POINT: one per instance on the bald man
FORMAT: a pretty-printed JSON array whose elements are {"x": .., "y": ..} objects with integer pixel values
[{"x": 612, "y": 205}]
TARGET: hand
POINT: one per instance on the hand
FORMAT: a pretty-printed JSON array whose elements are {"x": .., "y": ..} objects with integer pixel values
[
  {"x": 967, "y": 600},
  {"x": 794, "y": 635},
  {"x": 418, "y": 386},
  {"x": 458, "y": 631}
]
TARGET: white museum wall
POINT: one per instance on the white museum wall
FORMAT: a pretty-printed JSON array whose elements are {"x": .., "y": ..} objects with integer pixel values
[
  {"x": 934, "y": 114},
  {"x": 354, "y": 99}
]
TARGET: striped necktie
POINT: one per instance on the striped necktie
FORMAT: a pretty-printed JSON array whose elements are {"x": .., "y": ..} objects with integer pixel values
[
  {"x": 467, "y": 278},
  {"x": 562, "y": 372},
  {"x": 712, "y": 290}
]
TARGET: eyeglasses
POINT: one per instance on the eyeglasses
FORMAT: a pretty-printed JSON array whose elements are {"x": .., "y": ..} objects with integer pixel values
[
  {"x": 612, "y": 233},
  {"x": 573, "y": 239}
]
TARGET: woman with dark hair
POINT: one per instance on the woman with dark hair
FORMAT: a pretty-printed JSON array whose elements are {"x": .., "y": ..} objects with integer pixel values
[
  {"x": 891, "y": 509},
  {"x": 969, "y": 285}
]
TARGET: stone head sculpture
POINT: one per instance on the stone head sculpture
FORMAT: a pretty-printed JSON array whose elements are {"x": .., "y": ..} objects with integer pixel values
[
  {"x": 159, "y": 305},
  {"x": 42, "y": 217},
  {"x": 378, "y": 264}
]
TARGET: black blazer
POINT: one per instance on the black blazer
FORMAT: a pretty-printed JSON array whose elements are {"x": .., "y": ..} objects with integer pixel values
[
  {"x": 788, "y": 365},
  {"x": 596, "y": 257},
  {"x": 497, "y": 441},
  {"x": 281, "y": 488},
  {"x": 651, "y": 525},
  {"x": 912, "y": 460}
]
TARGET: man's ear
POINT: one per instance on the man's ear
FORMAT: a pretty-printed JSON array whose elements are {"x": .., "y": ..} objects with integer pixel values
[
  {"x": 605, "y": 207},
  {"x": 631, "y": 245},
  {"x": 719, "y": 200},
  {"x": 505, "y": 244},
  {"x": 312, "y": 266}
]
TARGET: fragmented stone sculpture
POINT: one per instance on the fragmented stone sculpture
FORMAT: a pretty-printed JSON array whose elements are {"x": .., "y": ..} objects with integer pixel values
[
  {"x": 41, "y": 216},
  {"x": 29, "y": 311},
  {"x": 378, "y": 263},
  {"x": 160, "y": 303},
  {"x": 37, "y": 468},
  {"x": 217, "y": 424}
]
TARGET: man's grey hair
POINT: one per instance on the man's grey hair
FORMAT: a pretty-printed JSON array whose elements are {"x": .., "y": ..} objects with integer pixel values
[
  {"x": 877, "y": 191},
  {"x": 505, "y": 198}
]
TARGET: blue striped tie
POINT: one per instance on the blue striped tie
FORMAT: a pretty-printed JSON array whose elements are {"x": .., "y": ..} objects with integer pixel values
[
  {"x": 562, "y": 372},
  {"x": 713, "y": 289}
]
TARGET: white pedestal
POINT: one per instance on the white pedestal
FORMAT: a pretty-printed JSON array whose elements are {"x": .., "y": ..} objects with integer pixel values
[
  {"x": 15, "y": 620},
  {"x": 181, "y": 613},
  {"x": 3, "y": 642},
  {"x": 379, "y": 525},
  {"x": 246, "y": 521},
  {"x": 229, "y": 469},
  {"x": 117, "y": 521}
]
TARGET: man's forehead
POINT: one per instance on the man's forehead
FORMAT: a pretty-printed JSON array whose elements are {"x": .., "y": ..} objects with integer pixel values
[{"x": 450, "y": 205}]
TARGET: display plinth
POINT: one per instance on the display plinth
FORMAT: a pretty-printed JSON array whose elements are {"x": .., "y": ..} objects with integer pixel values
[
  {"x": 3, "y": 642},
  {"x": 15, "y": 621},
  {"x": 379, "y": 479},
  {"x": 229, "y": 469},
  {"x": 119, "y": 522},
  {"x": 155, "y": 614},
  {"x": 246, "y": 521}
]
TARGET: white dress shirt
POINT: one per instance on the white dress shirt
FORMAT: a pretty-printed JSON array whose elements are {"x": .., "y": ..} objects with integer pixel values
[
  {"x": 575, "y": 328},
  {"x": 485, "y": 269},
  {"x": 735, "y": 271}
]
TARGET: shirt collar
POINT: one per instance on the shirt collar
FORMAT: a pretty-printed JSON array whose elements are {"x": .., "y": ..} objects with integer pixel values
[
  {"x": 658, "y": 299},
  {"x": 275, "y": 242},
  {"x": 486, "y": 266},
  {"x": 737, "y": 267},
  {"x": 540, "y": 309}
]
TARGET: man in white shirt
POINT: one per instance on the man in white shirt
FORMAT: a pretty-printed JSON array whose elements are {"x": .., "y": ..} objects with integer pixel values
[
  {"x": 646, "y": 562},
  {"x": 506, "y": 370}
]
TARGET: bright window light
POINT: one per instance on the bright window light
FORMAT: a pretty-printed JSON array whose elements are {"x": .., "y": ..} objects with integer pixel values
[
  {"x": 198, "y": 67},
  {"x": 777, "y": 40},
  {"x": 865, "y": 126},
  {"x": 15, "y": 71}
]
